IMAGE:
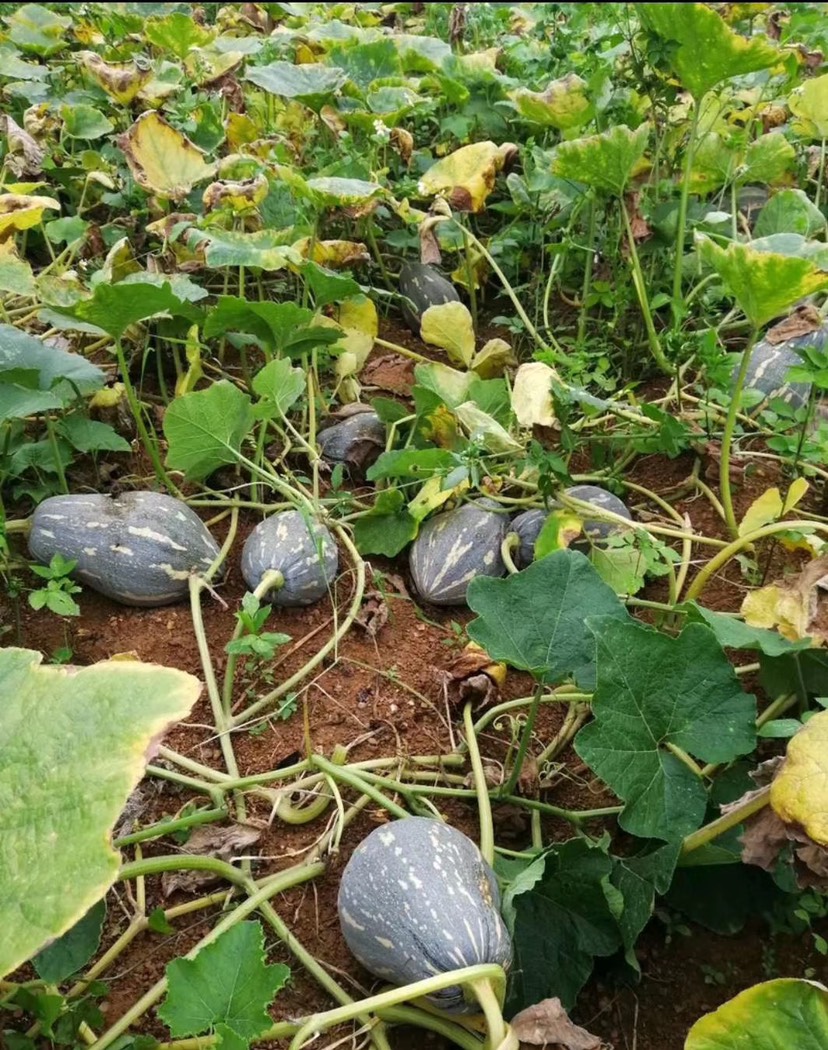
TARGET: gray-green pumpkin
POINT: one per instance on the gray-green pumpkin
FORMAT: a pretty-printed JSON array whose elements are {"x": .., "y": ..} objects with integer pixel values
[
  {"x": 355, "y": 441},
  {"x": 527, "y": 527},
  {"x": 138, "y": 549},
  {"x": 454, "y": 547},
  {"x": 599, "y": 530},
  {"x": 417, "y": 899},
  {"x": 303, "y": 552},
  {"x": 767, "y": 373},
  {"x": 421, "y": 287}
]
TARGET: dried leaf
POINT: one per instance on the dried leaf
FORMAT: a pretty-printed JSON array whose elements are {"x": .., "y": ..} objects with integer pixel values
[
  {"x": 403, "y": 143},
  {"x": 492, "y": 359},
  {"x": 120, "y": 80},
  {"x": 239, "y": 197},
  {"x": 547, "y": 1024},
  {"x": 224, "y": 843},
  {"x": 796, "y": 607},
  {"x": 373, "y": 613},
  {"x": 804, "y": 320},
  {"x": 430, "y": 254},
  {"x": 24, "y": 157},
  {"x": 336, "y": 255},
  {"x": 466, "y": 177}
]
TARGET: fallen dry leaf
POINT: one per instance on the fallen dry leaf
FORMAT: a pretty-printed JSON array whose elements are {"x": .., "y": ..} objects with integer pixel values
[
  {"x": 223, "y": 843},
  {"x": 547, "y": 1024},
  {"x": 804, "y": 320},
  {"x": 373, "y": 613},
  {"x": 797, "y": 607},
  {"x": 24, "y": 157}
]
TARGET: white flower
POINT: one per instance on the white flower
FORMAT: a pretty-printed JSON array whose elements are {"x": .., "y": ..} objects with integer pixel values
[{"x": 381, "y": 131}]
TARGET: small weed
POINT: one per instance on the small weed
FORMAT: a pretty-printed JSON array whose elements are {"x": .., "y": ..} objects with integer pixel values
[{"x": 56, "y": 593}]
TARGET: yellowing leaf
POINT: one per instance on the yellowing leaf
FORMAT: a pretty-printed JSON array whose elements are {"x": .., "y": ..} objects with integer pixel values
[
  {"x": 795, "y": 494},
  {"x": 239, "y": 197},
  {"x": 485, "y": 431},
  {"x": 809, "y": 102},
  {"x": 358, "y": 320},
  {"x": 450, "y": 326},
  {"x": 765, "y": 508},
  {"x": 774, "y": 607},
  {"x": 492, "y": 359},
  {"x": 432, "y": 495},
  {"x": 20, "y": 212},
  {"x": 466, "y": 177},
  {"x": 799, "y": 791},
  {"x": 161, "y": 159},
  {"x": 564, "y": 103},
  {"x": 120, "y": 80},
  {"x": 532, "y": 395},
  {"x": 333, "y": 254}
]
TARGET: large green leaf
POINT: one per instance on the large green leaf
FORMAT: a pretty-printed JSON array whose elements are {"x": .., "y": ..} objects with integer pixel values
[
  {"x": 765, "y": 284},
  {"x": 789, "y": 211},
  {"x": 785, "y": 1014},
  {"x": 535, "y": 620},
  {"x": 58, "y": 371},
  {"x": 227, "y": 983},
  {"x": 310, "y": 82},
  {"x": 71, "y": 952},
  {"x": 205, "y": 429},
  {"x": 656, "y": 694},
  {"x": 708, "y": 51},
  {"x": 35, "y": 28},
  {"x": 561, "y": 913},
  {"x": 114, "y": 307},
  {"x": 638, "y": 878},
  {"x": 733, "y": 633},
  {"x": 606, "y": 161},
  {"x": 74, "y": 743}
]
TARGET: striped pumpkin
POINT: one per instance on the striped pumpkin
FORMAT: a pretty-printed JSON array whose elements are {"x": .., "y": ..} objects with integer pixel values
[
  {"x": 304, "y": 553},
  {"x": 417, "y": 899},
  {"x": 138, "y": 549}
]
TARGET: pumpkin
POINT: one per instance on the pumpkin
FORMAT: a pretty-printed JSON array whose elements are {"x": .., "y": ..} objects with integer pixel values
[
  {"x": 422, "y": 286},
  {"x": 598, "y": 497},
  {"x": 527, "y": 526},
  {"x": 355, "y": 441},
  {"x": 138, "y": 549},
  {"x": 454, "y": 547},
  {"x": 767, "y": 373},
  {"x": 304, "y": 553},
  {"x": 417, "y": 899}
]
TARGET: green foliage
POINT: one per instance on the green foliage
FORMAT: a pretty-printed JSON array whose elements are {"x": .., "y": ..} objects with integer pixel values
[
  {"x": 227, "y": 988},
  {"x": 56, "y": 593},
  {"x": 254, "y": 641}
]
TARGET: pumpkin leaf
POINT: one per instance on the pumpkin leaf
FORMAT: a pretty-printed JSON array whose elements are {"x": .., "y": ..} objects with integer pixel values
[
  {"x": 799, "y": 791},
  {"x": 764, "y": 509},
  {"x": 387, "y": 528},
  {"x": 532, "y": 395},
  {"x": 791, "y": 605},
  {"x": 19, "y": 211},
  {"x": 113, "y": 308},
  {"x": 226, "y": 983},
  {"x": 311, "y": 83},
  {"x": 764, "y": 284},
  {"x": 708, "y": 51},
  {"x": 483, "y": 430},
  {"x": 450, "y": 326},
  {"x": 789, "y": 211},
  {"x": 205, "y": 429},
  {"x": 492, "y": 359},
  {"x": 337, "y": 192},
  {"x": 16, "y": 274},
  {"x": 122, "y": 81},
  {"x": 85, "y": 122},
  {"x": 413, "y": 463},
  {"x": 59, "y": 371},
  {"x": 279, "y": 385},
  {"x": 161, "y": 159},
  {"x": 262, "y": 249},
  {"x": 563, "y": 104},
  {"x": 177, "y": 33},
  {"x": 624, "y": 569},
  {"x": 557, "y": 533},
  {"x": 37, "y": 29},
  {"x": 606, "y": 161},
  {"x": 534, "y": 620},
  {"x": 733, "y": 633},
  {"x": 72, "y": 951},
  {"x": 567, "y": 890},
  {"x": 74, "y": 743},
  {"x": 786, "y": 1012},
  {"x": 809, "y": 102},
  {"x": 656, "y": 694},
  {"x": 467, "y": 176}
]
